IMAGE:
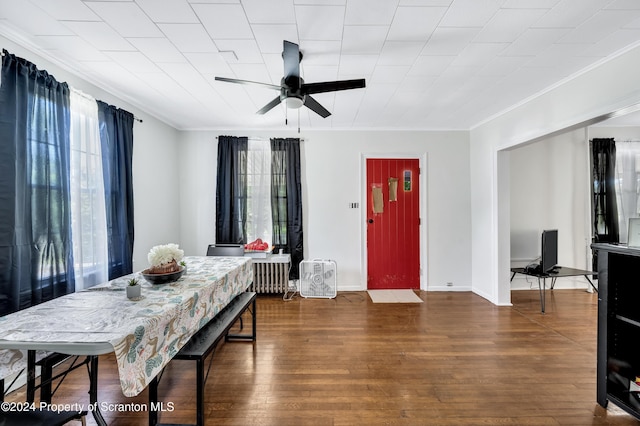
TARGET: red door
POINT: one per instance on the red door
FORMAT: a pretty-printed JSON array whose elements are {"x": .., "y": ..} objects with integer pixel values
[{"x": 393, "y": 224}]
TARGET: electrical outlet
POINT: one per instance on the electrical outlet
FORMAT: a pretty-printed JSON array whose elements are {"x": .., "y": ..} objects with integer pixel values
[{"x": 449, "y": 284}]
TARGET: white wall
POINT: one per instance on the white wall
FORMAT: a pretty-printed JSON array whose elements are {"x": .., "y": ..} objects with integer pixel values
[
  {"x": 610, "y": 87},
  {"x": 333, "y": 178},
  {"x": 550, "y": 189},
  {"x": 156, "y": 188},
  {"x": 155, "y": 170}
]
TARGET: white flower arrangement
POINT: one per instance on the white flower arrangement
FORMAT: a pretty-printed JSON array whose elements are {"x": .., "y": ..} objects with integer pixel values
[{"x": 163, "y": 254}]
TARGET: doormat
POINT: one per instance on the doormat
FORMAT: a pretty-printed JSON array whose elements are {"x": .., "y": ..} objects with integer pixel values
[{"x": 393, "y": 296}]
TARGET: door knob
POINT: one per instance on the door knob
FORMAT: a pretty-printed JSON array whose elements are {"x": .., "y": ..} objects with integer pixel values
[{"x": 370, "y": 221}]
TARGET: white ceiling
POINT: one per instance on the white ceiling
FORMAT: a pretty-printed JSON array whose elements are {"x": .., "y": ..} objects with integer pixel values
[{"x": 428, "y": 64}]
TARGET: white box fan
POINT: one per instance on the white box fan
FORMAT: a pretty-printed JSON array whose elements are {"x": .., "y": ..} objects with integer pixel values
[{"x": 318, "y": 278}]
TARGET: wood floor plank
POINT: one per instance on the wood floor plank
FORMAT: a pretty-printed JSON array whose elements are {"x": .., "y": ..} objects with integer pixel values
[{"x": 455, "y": 359}]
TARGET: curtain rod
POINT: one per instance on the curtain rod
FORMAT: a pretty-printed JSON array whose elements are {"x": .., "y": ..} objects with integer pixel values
[
  {"x": 301, "y": 139},
  {"x": 139, "y": 120},
  {"x": 91, "y": 98}
]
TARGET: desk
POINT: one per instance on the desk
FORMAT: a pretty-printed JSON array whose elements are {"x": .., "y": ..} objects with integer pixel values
[
  {"x": 143, "y": 334},
  {"x": 560, "y": 271}
]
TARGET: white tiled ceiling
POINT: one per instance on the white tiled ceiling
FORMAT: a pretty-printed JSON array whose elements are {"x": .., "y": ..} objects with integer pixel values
[{"x": 428, "y": 64}]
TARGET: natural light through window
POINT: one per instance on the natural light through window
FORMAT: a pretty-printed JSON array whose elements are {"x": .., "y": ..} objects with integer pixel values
[
  {"x": 259, "y": 222},
  {"x": 88, "y": 215}
]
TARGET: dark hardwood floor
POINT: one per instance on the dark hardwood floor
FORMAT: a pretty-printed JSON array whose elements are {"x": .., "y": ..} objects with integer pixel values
[{"x": 455, "y": 359}]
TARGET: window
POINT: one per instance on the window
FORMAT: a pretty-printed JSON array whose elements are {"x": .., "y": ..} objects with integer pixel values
[
  {"x": 53, "y": 187},
  {"x": 46, "y": 198},
  {"x": 274, "y": 194},
  {"x": 259, "y": 218},
  {"x": 45, "y": 174},
  {"x": 88, "y": 214},
  {"x": 86, "y": 192},
  {"x": 627, "y": 184}
]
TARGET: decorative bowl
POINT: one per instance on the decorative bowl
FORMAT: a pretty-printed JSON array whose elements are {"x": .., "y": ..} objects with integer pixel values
[{"x": 163, "y": 278}]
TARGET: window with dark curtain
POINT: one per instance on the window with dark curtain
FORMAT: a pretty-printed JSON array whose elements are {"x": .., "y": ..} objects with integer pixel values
[
  {"x": 231, "y": 190},
  {"x": 116, "y": 138},
  {"x": 605, "y": 212},
  {"x": 35, "y": 227},
  {"x": 286, "y": 200},
  {"x": 286, "y": 195},
  {"x": 36, "y": 250}
]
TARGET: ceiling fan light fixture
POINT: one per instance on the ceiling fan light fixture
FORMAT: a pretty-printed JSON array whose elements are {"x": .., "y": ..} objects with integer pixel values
[
  {"x": 294, "y": 92},
  {"x": 294, "y": 103}
]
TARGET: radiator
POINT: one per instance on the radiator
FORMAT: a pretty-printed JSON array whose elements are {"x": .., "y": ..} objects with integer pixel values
[{"x": 269, "y": 277}]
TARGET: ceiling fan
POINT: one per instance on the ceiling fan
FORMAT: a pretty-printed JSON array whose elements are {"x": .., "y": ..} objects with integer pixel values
[{"x": 293, "y": 90}]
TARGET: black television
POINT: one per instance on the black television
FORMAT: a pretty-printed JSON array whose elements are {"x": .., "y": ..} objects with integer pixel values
[{"x": 549, "y": 250}]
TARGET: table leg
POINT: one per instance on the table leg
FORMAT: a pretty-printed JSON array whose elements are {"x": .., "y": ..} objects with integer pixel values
[
  {"x": 153, "y": 401},
  {"x": 591, "y": 282},
  {"x": 93, "y": 391},
  {"x": 254, "y": 313},
  {"x": 31, "y": 375},
  {"x": 542, "y": 292}
]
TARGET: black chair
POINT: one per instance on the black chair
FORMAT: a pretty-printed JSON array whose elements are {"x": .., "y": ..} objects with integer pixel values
[{"x": 225, "y": 250}]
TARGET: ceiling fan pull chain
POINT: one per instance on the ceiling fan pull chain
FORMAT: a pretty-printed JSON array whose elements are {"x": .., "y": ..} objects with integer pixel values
[{"x": 298, "y": 120}]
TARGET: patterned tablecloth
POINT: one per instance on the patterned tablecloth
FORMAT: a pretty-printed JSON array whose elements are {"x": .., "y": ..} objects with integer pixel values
[{"x": 145, "y": 334}]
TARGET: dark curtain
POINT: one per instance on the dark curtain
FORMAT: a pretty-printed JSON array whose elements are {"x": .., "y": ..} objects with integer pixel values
[
  {"x": 286, "y": 200},
  {"x": 605, "y": 211},
  {"x": 231, "y": 190},
  {"x": 116, "y": 138},
  {"x": 35, "y": 231}
]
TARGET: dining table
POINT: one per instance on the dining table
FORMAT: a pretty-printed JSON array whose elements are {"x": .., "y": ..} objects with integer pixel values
[{"x": 143, "y": 333}]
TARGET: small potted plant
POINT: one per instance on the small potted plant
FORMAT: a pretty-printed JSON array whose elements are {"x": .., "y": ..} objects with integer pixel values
[{"x": 133, "y": 289}]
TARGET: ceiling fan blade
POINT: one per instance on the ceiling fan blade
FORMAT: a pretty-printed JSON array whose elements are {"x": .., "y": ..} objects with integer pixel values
[
  {"x": 291, "y": 58},
  {"x": 332, "y": 86},
  {"x": 269, "y": 106},
  {"x": 314, "y": 106},
  {"x": 253, "y": 83}
]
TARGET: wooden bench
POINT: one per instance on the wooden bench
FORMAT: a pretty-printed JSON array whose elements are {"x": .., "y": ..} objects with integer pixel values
[{"x": 202, "y": 344}]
